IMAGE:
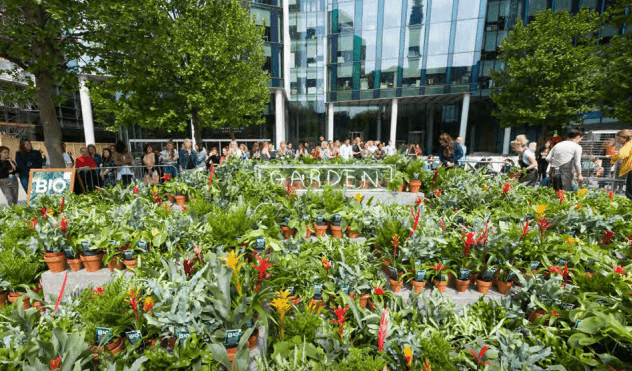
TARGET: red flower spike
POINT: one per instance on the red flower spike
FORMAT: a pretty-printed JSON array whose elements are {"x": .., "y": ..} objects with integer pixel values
[
  {"x": 618, "y": 269},
  {"x": 326, "y": 263},
  {"x": 210, "y": 177},
  {"x": 136, "y": 189},
  {"x": 340, "y": 318},
  {"x": 442, "y": 225},
  {"x": 61, "y": 292},
  {"x": 437, "y": 192},
  {"x": 395, "y": 243},
  {"x": 611, "y": 195},
  {"x": 166, "y": 177},
  {"x": 198, "y": 252},
  {"x": 378, "y": 290},
  {"x": 606, "y": 239},
  {"x": 554, "y": 313},
  {"x": 64, "y": 224},
  {"x": 98, "y": 290},
  {"x": 263, "y": 266},
  {"x": 469, "y": 240},
  {"x": 416, "y": 217},
  {"x": 506, "y": 189},
  {"x": 61, "y": 207},
  {"x": 434, "y": 177},
  {"x": 480, "y": 355},
  {"x": 419, "y": 201},
  {"x": 525, "y": 230},
  {"x": 33, "y": 222},
  {"x": 44, "y": 211},
  {"x": 438, "y": 267},
  {"x": 188, "y": 267},
  {"x": 383, "y": 330},
  {"x": 561, "y": 196},
  {"x": 55, "y": 364}
]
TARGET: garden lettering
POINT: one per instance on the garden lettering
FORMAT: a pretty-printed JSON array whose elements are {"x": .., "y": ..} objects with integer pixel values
[{"x": 303, "y": 176}]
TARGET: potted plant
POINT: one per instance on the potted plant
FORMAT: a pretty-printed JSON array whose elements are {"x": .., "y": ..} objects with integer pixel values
[
  {"x": 182, "y": 192},
  {"x": 73, "y": 259},
  {"x": 52, "y": 235},
  {"x": 287, "y": 231},
  {"x": 413, "y": 170},
  {"x": 439, "y": 274},
  {"x": 418, "y": 274},
  {"x": 91, "y": 257},
  {"x": 506, "y": 276},
  {"x": 129, "y": 258},
  {"x": 485, "y": 277},
  {"x": 113, "y": 257}
]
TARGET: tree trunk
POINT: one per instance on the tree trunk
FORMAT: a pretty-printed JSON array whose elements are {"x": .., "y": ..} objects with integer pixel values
[
  {"x": 232, "y": 133},
  {"x": 545, "y": 129},
  {"x": 52, "y": 129},
  {"x": 195, "y": 123}
]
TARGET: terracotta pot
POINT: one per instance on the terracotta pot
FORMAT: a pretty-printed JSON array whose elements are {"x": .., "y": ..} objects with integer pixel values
[
  {"x": 56, "y": 261},
  {"x": 418, "y": 286},
  {"x": 396, "y": 286},
  {"x": 415, "y": 185},
  {"x": 482, "y": 286},
  {"x": 364, "y": 299},
  {"x": 295, "y": 300},
  {"x": 473, "y": 278},
  {"x": 116, "y": 346},
  {"x": 252, "y": 340},
  {"x": 38, "y": 305},
  {"x": 371, "y": 306},
  {"x": 231, "y": 354},
  {"x": 25, "y": 301},
  {"x": 92, "y": 263},
  {"x": 461, "y": 286},
  {"x": 351, "y": 234},
  {"x": 171, "y": 198},
  {"x": 440, "y": 285},
  {"x": 336, "y": 231},
  {"x": 503, "y": 287},
  {"x": 297, "y": 184},
  {"x": 535, "y": 314},
  {"x": 317, "y": 305},
  {"x": 287, "y": 232},
  {"x": 308, "y": 232},
  {"x": 116, "y": 263},
  {"x": 181, "y": 200},
  {"x": 74, "y": 264},
  {"x": 385, "y": 264},
  {"x": 131, "y": 264},
  {"x": 3, "y": 298},
  {"x": 320, "y": 230},
  {"x": 402, "y": 187}
]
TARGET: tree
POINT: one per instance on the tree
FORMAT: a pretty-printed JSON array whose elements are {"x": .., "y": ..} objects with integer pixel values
[
  {"x": 615, "y": 89},
  {"x": 550, "y": 70},
  {"x": 171, "y": 61},
  {"x": 42, "y": 39}
]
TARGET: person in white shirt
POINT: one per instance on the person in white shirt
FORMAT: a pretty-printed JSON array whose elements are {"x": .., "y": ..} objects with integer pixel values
[
  {"x": 462, "y": 158},
  {"x": 346, "y": 151},
  {"x": 564, "y": 158},
  {"x": 371, "y": 147},
  {"x": 390, "y": 149}
]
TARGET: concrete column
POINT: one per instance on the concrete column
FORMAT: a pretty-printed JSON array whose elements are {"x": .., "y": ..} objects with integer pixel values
[
  {"x": 506, "y": 141},
  {"x": 393, "y": 137},
  {"x": 430, "y": 127},
  {"x": 86, "y": 110},
  {"x": 464, "y": 115},
  {"x": 330, "y": 121},
  {"x": 279, "y": 115}
]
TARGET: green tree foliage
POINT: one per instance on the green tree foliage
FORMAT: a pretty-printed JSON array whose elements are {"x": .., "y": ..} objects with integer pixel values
[
  {"x": 42, "y": 39},
  {"x": 616, "y": 60},
  {"x": 171, "y": 61},
  {"x": 550, "y": 70}
]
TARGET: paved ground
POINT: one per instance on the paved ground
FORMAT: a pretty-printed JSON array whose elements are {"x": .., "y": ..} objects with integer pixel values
[{"x": 22, "y": 198}]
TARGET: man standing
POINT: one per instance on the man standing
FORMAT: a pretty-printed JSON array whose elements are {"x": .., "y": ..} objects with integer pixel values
[
  {"x": 345, "y": 150},
  {"x": 459, "y": 161},
  {"x": 564, "y": 158}
]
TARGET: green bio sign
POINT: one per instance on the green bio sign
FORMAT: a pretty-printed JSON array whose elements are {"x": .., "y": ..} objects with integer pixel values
[
  {"x": 232, "y": 338},
  {"x": 48, "y": 182}
]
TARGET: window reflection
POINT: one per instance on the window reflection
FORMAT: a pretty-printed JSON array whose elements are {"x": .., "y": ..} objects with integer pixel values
[
  {"x": 345, "y": 49},
  {"x": 369, "y": 15},
  {"x": 367, "y": 76},
  {"x": 369, "y": 45},
  {"x": 388, "y": 74},
  {"x": 390, "y": 43},
  {"x": 345, "y": 77},
  {"x": 411, "y": 76},
  {"x": 441, "y": 11},
  {"x": 435, "y": 76},
  {"x": 345, "y": 16},
  {"x": 460, "y": 75},
  {"x": 465, "y": 39},
  {"x": 468, "y": 9},
  {"x": 439, "y": 38},
  {"x": 392, "y": 13}
]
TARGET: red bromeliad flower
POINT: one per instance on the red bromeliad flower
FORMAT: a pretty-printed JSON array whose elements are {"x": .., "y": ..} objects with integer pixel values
[
  {"x": 64, "y": 224},
  {"x": 198, "y": 252},
  {"x": 326, "y": 263},
  {"x": 525, "y": 230},
  {"x": 416, "y": 217},
  {"x": 263, "y": 266},
  {"x": 561, "y": 195},
  {"x": 98, "y": 290},
  {"x": 543, "y": 225},
  {"x": 482, "y": 238},
  {"x": 290, "y": 191},
  {"x": 554, "y": 313},
  {"x": 33, "y": 222},
  {"x": 133, "y": 300},
  {"x": 44, "y": 211},
  {"x": 166, "y": 177},
  {"x": 469, "y": 240},
  {"x": 61, "y": 207},
  {"x": 381, "y": 336},
  {"x": 340, "y": 318},
  {"x": 437, "y": 192},
  {"x": 480, "y": 355},
  {"x": 188, "y": 266},
  {"x": 611, "y": 195},
  {"x": 158, "y": 199},
  {"x": 563, "y": 273},
  {"x": 618, "y": 269},
  {"x": 55, "y": 364},
  {"x": 419, "y": 201},
  {"x": 442, "y": 225},
  {"x": 378, "y": 290},
  {"x": 606, "y": 239},
  {"x": 210, "y": 177},
  {"x": 395, "y": 243},
  {"x": 438, "y": 267},
  {"x": 434, "y": 177},
  {"x": 506, "y": 189},
  {"x": 136, "y": 189}
]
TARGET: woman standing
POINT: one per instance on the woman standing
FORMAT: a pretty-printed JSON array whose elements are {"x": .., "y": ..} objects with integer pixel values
[
  {"x": 540, "y": 156},
  {"x": 169, "y": 158},
  {"x": 265, "y": 152},
  {"x": 624, "y": 138},
  {"x": 187, "y": 156},
  {"x": 26, "y": 159},
  {"x": 124, "y": 159},
  {"x": 107, "y": 168},
  {"x": 201, "y": 159},
  {"x": 149, "y": 161},
  {"x": 450, "y": 151},
  {"x": 8, "y": 177},
  {"x": 527, "y": 161},
  {"x": 256, "y": 155}
]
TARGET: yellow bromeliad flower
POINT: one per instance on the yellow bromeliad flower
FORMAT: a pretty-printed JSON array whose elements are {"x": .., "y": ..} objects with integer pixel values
[
  {"x": 281, "y": 303},
  {"x": 149, "y": 304},
  {"x": 582, "y": 192},
  {"x": 408, "y": 354},
  {"x": 427, "y": 365},
  {"x": 358, "y": 197},
  {"x": 570, "y": 241},
  {"x": 540, "y": 209},
  {"x": 233, "y": 261}
]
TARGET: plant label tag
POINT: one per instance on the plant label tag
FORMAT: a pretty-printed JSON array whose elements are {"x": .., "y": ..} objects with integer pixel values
[
  {"x": 222, "y": 203},
  {"x": 70, "y": 253},
  {"x": 104, "y": 335},
  {"x": 416, "y": 176},
  {"x": 418, "y": 262},
  {"x": 133, "y": 336},
  {"x": 534, "y": 265},
  {"x": 464, "y": 274},
  {"x": 261, "y": 244},
  {"x": 337, "y": 218},
  {"x": 319, "y": 220},
  {"x": 591, "y": 262},
  {"x": 345, "y": 289},
  {"x": 489, "y": 273},
  {"x": 128, "y": 254},
  {"x": 85, "y": 245},
  {"x": 219, "y": 249},
  {"x": 443, "y": 260},
  {"x": 318, "y": 291},
  {"x": 420, "y": 275},
  {"x": 562, "y": 261},
  {"x": 305, "y": 217},
  {"x": 511, "y": 276},
  {"x": 189, "y": 245},
  {"x": 143, "y": 245},
  {"x": 291, "y": 290},
  {"x": 568, "y": 306},
  {"x": 287, "y": 220},
  {"x": 112, "y": 242},
  {"x": 232, "y": 338},
  {"x": 557, "y": 302},
  {"x": 182, "y": 336}
]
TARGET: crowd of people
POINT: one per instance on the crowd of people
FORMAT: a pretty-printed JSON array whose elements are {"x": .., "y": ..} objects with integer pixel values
[{"x": 555, "y": 162}]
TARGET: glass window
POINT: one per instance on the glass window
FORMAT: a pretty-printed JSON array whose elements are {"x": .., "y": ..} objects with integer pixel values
[
  {"x": 437, "y": 61},
  {"x": 413, "y": 42},
  {"x": 345, "y": 76},
  {"x": 369, "y": 45},
  {"x": 465, "y": 40},
  {"x": 390, "y": 43},
  {"x": 490, "y": 41},
  {"x": 460, "y": 75},
  {"x": 367, "y": 78},
  {"x": 416, "y": 12},
  {"x": 463, "y": 59},
  {"x": 468, "y": 9},
  {"x": 411, "y": 76},
  {"x": 392, "y": 13},
  {"x": 536, "y": 6},
  {"x": 345, "y": 49},
  {"x": 439, "y": 40},
  {"x": 345, "y": 16},
  {"x": 388, "y": 74},
  {"x": 435, "y": 76},
  {"x": 369, "y": 15},
  {"x": 561, "y": 5},
  {"x": 441, "y": 11}
]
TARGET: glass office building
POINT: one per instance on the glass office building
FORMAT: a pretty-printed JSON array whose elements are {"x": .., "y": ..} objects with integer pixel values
[{"x": 401, "y": 70}]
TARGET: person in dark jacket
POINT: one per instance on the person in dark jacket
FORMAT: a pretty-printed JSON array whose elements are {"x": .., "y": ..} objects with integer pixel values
[
  {"x": 187, "y": 158},
  {"x": 451, "y": 151},
  {"x": 27, "y": 158}
]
